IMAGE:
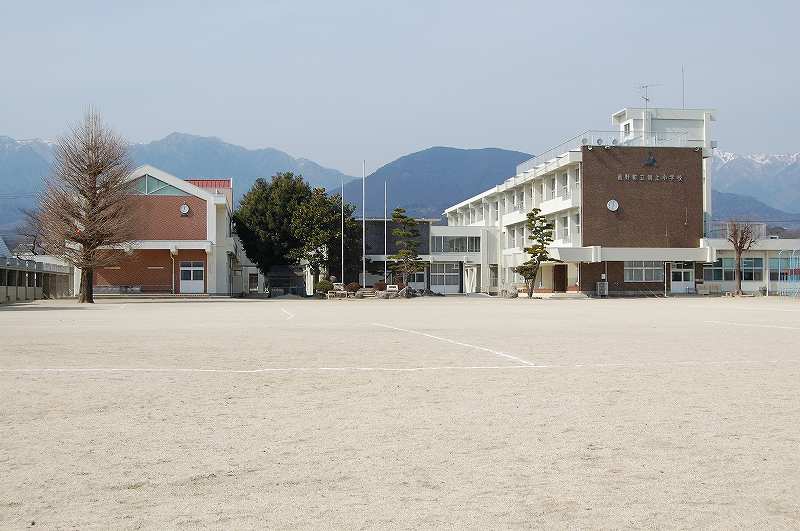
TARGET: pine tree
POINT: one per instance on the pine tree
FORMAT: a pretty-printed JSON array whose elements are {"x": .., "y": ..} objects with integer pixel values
[
  {"x": 540, "y": 233},
  {"x": 406, "y": 260}
]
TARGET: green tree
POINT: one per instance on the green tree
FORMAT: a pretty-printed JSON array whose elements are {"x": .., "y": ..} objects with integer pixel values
[
  {"x": 317, "y": 224},
  {"x": 540, "y": 233},
  {"x": 264, "y": 220},
  {"x": 406, "y": 260}
]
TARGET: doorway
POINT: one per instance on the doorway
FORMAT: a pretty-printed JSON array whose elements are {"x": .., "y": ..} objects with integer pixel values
[
  {"x": 560, "y": 278},
  {"x": 192, "y": 275},
  {"x": 682, "y": 277}
]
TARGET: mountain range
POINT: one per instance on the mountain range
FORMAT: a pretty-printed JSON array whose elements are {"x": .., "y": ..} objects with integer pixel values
[{"x": 754, "y": 187}]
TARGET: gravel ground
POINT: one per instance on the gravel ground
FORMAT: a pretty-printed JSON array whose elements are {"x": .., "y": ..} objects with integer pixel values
[{"x": 455, "y": 412}]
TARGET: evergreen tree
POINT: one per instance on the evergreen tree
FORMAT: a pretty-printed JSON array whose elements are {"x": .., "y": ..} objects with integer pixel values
[
  {"x": 540, "y": 233},
  {"x": 406, "y": 260}
]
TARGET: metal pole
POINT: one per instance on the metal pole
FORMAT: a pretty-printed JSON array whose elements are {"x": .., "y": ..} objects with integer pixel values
[
  {"x": 385, "y": 233},
  {"x": 364, "y": 222},
  {"x": 341, "y": 279}
]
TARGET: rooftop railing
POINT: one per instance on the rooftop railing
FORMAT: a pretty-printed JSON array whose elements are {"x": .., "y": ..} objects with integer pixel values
[
  {"x": 607, "y": 138},
  {"x": 723, "y": 229},
  {"x": 31, "y": 265}
]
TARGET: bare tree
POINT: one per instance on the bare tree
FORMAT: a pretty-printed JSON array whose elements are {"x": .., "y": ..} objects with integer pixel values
[
  {"x": 30, "y": 231},
  {"x": 86, "y": 210},
  {"x": 742, "y": 237}
]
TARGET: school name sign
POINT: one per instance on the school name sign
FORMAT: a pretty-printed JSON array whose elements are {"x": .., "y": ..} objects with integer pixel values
[{"x": 653, "y": 178}]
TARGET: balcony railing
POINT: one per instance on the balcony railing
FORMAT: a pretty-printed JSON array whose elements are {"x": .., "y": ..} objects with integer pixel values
[{"x": 607, "y": 138}]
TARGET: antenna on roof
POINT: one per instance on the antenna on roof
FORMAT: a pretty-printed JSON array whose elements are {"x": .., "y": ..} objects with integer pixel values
[
  {"x": 644, "y": 88},
  {"x": 683, "y": 87}
]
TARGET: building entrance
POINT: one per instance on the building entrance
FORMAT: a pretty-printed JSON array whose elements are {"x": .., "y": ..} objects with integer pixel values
[
  {"x": 560, "y": 278},
  {"x": 682, "y": 277}
]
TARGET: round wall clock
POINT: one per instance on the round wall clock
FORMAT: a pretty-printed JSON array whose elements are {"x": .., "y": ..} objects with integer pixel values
[
  {"x": 184, "y": 209},
  {"x": 612, "y": 205}
]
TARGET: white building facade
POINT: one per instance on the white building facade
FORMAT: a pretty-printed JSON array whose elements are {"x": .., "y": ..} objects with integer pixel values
[{"x": 630, "y": 207}]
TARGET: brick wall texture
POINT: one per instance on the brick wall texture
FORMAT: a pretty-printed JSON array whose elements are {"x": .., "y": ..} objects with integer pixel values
[
  {"x": 149, "y": 269},
  {"x": 652, "y": 212},
  {"x": 158, "y": 217}
]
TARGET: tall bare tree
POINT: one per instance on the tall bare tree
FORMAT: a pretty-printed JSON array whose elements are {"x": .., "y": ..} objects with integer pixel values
[
  {"x": 86, "y": 211},
  {"x": 742, "y": 236}
]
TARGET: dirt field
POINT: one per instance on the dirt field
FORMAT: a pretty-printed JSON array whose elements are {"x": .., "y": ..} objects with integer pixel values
[{"x": 457, "y": 412}]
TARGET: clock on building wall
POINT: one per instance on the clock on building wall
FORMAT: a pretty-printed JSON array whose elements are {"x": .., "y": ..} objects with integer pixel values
[
  {"x": 184, "y": 209},
  {"x": 612, "y": 205}
]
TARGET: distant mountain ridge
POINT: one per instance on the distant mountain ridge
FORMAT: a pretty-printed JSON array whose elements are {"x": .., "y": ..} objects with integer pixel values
[
  {"x": 772, "y": 179},
  {"x": 428, "y": 181},
  {"x": 24, "y": 164},
  {"x": 756, "y": 187}
]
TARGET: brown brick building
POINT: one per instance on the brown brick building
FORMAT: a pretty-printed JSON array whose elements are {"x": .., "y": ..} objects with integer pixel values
[{"x": 183, "y": 239}]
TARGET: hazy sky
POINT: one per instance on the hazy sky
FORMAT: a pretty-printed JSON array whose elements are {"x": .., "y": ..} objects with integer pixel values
[{"x": 338, "y": 81}]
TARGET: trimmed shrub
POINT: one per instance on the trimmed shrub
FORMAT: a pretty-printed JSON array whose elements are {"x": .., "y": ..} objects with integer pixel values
[
  {"x": 379, "y": 285},
  {"x": 353, "y": 287},
  {"x": 323, "y": 286}
]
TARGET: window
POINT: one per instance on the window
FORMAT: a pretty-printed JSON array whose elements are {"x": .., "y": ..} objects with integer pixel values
[
  {"x": 780, "y": 269},
  {"x": 577, "y": 176},
  {"x": 644, "y": 271},
  {"x": 551, "y": 192},
  {"x": 417, "y": 278},
  {"x": 2, "y": 277},
  {"x": 725, "y": 269},
  {"x": 455, "y": 244},
  {"x": 511, "y": 237},
  {"x": 564, "y": 228},
  {"x": 577, "y": 223},
  {"x": 565, "y": 185},
  {"x": 149, "y": 185},
  {"x": 626, "y": 129},
  {"x": 444, "y": 274},
  {"x": 252, "y": 282}
]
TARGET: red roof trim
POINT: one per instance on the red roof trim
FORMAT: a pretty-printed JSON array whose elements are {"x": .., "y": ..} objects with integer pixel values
[{"x": 210, "y": 183}]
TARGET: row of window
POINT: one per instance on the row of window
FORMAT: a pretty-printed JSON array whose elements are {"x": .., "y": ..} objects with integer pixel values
[
  {"x": 725, "y": 269},
  {"x": 557, "y": 186},
  {"x": 644, "y": 271},
  {"x": 12, "y": 277},
  {"x": 444, "y": 274},
  {"x": 455, "y": 244}
]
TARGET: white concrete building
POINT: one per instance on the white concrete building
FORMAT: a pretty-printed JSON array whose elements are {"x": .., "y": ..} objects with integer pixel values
[{"x": 630, "y": 206}]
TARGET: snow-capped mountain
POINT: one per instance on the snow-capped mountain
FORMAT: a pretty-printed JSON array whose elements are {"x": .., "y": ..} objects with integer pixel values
[{"x": 770, "y": 178}]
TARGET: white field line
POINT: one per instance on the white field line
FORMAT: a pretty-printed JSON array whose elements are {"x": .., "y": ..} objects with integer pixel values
[
  {"x": 87, "y": 370},
  {"x": 745, "y": 308},
  {"x": 289, "y": 315},
  {"x": 454, "y": 342},
  {"x": 755, "y": 325}
]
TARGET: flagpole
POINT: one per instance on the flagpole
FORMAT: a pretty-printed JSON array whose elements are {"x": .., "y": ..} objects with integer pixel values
[
  {"x": 341, "y": 279},
  {"x": 385, "y": 246},
  {"x": 364, "y": 222}
]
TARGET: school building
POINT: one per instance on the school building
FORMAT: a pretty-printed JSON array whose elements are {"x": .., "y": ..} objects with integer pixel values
[{"x": 632, "y": 214}]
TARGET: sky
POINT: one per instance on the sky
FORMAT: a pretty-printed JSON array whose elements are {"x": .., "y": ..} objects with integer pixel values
[{"x": 345, "y": 81}]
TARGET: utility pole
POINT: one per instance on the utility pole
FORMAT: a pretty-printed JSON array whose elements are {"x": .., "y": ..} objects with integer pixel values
[
  {"x": 385, "y": 234},
  {"x": 364, "y": 222},
  {"x": 341, "y": 279}
]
